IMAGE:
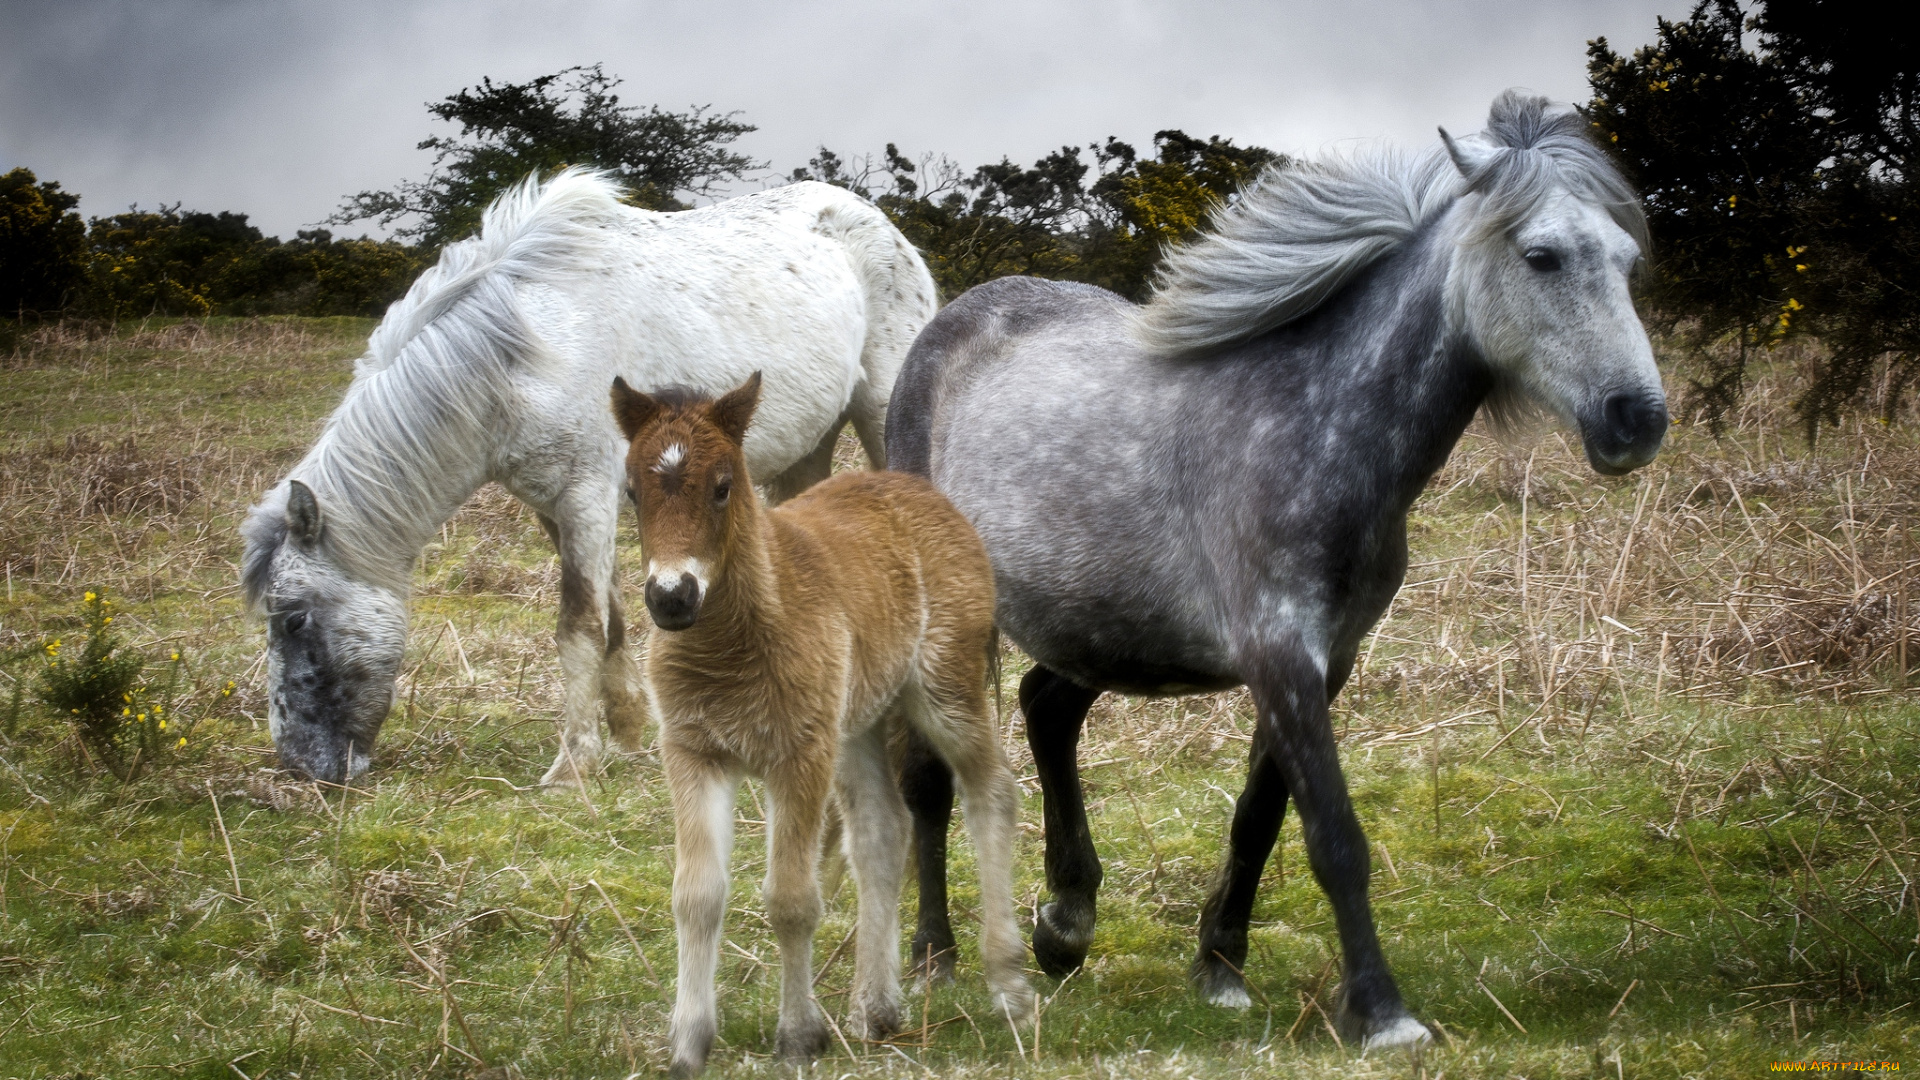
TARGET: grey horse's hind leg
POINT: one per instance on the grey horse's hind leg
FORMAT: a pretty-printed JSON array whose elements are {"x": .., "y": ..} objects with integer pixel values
[
  {"x": 1055, "y": 708},
  {"x": 809, "y": 470},
  {"x": 1217, "y": 970},
  {"x": 1290, "y": 693},
  {"x": 927, "y": 783}
]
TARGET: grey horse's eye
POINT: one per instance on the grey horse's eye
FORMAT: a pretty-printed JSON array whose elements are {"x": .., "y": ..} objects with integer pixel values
[
  {"x": 1543, "y": 260},
  {"x": 292, "y": 622}
]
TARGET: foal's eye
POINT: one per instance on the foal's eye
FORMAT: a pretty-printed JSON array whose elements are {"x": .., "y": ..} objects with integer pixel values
[
  {"x": 720, "y": 492},
  {"x": 1543, "y": 260}
]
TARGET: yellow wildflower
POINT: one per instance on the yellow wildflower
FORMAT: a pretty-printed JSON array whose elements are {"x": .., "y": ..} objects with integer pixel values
[
  {"x": 90, "y": 596},
  {"x": 182, "y": 742}
]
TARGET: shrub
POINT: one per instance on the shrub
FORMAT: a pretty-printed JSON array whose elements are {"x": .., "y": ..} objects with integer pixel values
[{"x": 121, "y": 721}]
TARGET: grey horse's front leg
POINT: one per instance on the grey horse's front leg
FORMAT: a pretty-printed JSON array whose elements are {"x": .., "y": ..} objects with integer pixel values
[{"x": 1290, "y": 692}]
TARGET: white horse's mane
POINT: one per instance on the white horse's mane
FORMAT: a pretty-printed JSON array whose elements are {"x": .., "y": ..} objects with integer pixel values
[
  {"x": 1304, "y": 230},
  {"x": 458, "y": 329}
]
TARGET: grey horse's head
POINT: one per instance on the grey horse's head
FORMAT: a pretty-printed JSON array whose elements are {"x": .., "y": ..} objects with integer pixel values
[
  {"x": 334, "y": 643},
  {"x": 1553, "y": 237}
]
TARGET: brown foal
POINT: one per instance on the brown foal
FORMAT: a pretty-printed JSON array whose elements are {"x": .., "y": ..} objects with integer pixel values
[{"x": 789, "y": 644}]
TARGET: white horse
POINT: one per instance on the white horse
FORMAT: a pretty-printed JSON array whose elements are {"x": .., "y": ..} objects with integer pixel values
[{"x": 495, "y": 367}]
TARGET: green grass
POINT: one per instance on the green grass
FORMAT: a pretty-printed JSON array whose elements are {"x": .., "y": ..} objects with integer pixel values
[{"x": 1661, "y": 856}]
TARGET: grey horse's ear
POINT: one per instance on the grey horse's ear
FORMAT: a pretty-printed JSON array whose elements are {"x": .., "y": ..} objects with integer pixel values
[
  {"x": 1469, "y": 158},
  {"x": 303, "y": 513}
]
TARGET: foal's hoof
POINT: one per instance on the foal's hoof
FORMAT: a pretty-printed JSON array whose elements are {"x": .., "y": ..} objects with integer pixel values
[
  {"x": 1059, "y": 949},
  {"x": 1221, "y": 985}
]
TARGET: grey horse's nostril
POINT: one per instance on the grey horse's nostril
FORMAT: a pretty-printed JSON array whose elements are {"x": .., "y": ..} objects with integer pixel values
[{"x": 1633, "y": 418}]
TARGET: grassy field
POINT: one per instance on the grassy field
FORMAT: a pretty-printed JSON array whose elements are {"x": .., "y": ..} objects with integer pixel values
[{"x": 1636, "y": 756}]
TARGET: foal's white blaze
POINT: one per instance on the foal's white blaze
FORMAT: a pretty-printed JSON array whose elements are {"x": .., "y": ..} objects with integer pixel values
[
  {"x": 670, "y": 459},
  {"x": 670, "y": 575}
]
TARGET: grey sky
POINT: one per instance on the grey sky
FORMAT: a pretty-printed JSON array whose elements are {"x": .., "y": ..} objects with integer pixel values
[{"x": 280, "y": 109}]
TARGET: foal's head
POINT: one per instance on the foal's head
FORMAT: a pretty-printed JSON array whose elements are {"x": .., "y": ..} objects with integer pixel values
[
  {"x": 1554, "y": 240},
  {"x": 687, "y": 477}
]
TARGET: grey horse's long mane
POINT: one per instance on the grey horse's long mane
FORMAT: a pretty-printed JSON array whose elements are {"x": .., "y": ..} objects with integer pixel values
[
  {"x": 418, "y": 408},
  {"x": 1302, "y": 231}
]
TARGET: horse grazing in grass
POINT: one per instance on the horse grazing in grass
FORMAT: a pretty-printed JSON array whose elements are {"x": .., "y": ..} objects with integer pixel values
[
  {"x": 495, "y": 367},
  {"x": 790, "y": 645},
  {"x": 1212, "y": 489}
]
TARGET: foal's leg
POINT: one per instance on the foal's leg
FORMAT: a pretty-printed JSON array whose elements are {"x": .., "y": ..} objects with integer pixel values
[
  {"x": 1290, "y": 693},
  {"x": 1223, "y": 922},
  {"x": 927, "y": 783},
  {"x": 1055, "y": 707},
  {"x": 797, "y": 797},
  {"x": 703, "y": 837},
  {"x": 875, "y": 822},
  {"x": 956, "y": 720}
]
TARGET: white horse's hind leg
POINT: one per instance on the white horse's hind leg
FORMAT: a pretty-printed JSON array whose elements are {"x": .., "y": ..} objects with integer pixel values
[
  {"x": 808, "y": 471},
  {"x": 869, "y": 415}
]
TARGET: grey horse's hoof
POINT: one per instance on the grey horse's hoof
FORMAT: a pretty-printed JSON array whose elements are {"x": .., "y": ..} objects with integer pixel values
[
  {"x": 1059, "y": 950},
  {"x": 1401, "y": 1031}
]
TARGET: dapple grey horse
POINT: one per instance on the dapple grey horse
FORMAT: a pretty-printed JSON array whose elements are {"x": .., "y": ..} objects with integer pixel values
[{"x": 1213, "y": 489}]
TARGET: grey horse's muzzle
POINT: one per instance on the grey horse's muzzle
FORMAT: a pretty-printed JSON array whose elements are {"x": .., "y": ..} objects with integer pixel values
[{"x": 1627, "y": 433}]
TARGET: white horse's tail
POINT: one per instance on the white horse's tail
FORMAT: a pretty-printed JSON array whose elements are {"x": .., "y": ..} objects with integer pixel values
[
  {"x": 534, "y": 230},
  {"x": 900, "y": 299}
]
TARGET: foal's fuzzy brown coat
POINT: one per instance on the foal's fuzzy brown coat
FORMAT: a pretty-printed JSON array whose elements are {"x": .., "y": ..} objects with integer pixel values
[{"x": 788, "y": 644}]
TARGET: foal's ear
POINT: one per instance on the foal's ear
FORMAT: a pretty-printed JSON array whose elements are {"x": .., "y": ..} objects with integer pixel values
[
  {"x": 303, "y": 513},
  {"x": 734, "y": 411},
  {"x": 1470, "y": 158},
  {"x": 632, "y": 410}
]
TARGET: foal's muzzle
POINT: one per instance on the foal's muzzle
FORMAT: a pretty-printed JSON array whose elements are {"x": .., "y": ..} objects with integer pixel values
[
  {"x": 673, "y": 600},
  {"x": 1627, "y": 433}
]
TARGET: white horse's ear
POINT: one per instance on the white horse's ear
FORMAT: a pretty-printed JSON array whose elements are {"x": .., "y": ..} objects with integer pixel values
[
  {"x": 303, "y": 513},
  {"x": 1470, "y": 158}
]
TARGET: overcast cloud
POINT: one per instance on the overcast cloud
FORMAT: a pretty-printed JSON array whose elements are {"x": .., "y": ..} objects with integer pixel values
[{"x": 279, "y": 110}]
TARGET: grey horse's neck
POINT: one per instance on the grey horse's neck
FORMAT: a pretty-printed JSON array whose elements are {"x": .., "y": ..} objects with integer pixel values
[{"x": 1381, "y": 379}]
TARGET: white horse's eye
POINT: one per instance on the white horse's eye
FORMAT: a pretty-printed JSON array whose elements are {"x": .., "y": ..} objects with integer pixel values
[{"x": 1543, "y": 260}]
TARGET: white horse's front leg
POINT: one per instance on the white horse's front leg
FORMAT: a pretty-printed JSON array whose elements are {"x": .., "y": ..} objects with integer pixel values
[{"x": 585, "y": 538}]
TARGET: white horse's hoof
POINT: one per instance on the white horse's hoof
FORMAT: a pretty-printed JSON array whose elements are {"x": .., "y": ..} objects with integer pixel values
[
  {"x": 1231, "y": 997},
  {"x": 1405, "y": 1031}
]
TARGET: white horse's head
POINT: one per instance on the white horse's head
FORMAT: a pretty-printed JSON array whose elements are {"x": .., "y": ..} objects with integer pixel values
[
  {"x": 1552, "y": 236},
  {"x": 334, "y": 643}
]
